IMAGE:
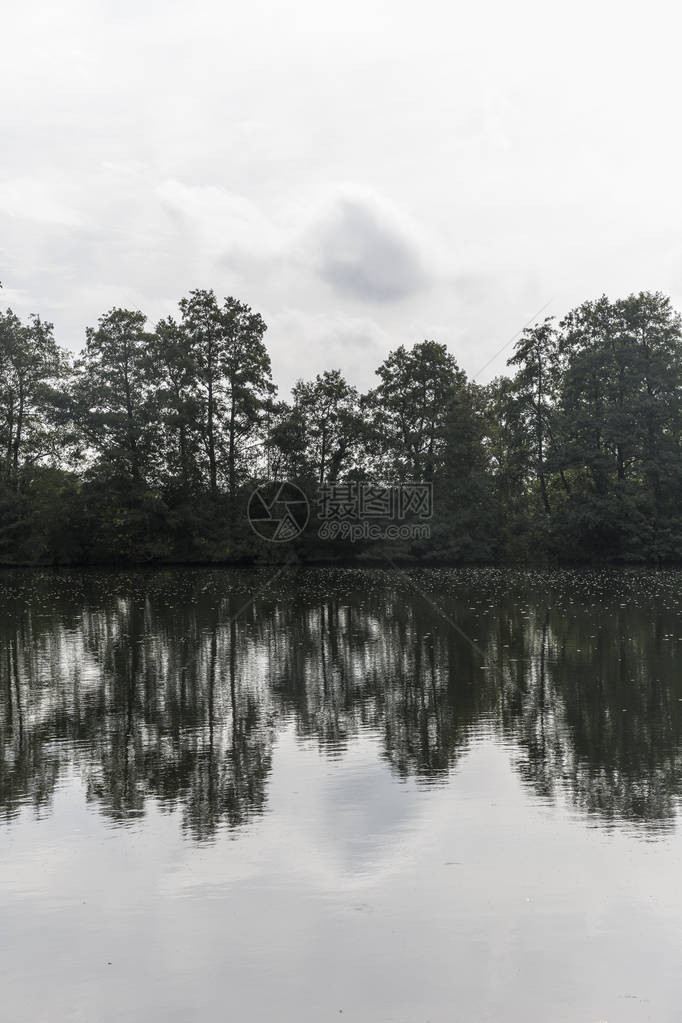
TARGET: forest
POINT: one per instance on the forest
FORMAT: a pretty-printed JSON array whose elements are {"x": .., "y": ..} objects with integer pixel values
[{"x": 146, "y": 446}]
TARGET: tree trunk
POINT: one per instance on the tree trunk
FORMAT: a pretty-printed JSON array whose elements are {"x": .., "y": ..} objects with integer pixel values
[
  {"x": 17, "y": 439},
  {"x": 212, "y": 469}
]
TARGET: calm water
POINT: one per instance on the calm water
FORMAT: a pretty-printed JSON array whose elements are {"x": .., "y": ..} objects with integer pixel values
[{"x": 453, "y": 796}]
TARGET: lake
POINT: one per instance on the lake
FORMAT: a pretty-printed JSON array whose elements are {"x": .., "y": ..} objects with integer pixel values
[{"x": 430, "y": 795}]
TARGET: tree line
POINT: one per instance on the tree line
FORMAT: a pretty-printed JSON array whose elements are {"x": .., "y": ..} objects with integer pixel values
[{"x": 148, "y": 444}]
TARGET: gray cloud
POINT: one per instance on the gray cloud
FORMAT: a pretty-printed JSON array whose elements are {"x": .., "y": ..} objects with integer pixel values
[{"x": 366, "y": 254}]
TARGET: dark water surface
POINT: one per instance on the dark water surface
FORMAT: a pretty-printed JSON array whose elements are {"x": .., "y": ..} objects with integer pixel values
[{"x": 453, "y": 796}]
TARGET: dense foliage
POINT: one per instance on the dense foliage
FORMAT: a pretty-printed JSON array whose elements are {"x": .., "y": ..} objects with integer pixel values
[{"x": 148, "y": 446}]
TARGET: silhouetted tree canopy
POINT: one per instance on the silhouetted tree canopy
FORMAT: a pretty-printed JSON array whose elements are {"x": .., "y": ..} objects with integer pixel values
[{"x": 148, "y": 445}]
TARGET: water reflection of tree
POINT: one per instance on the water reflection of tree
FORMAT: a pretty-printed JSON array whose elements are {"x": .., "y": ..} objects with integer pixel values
[
  {"x": 29, "y": 763},
  {"x": 150, "y": 689},
  {"x": 593, "y": 700},
  {"x": 373, "y": 662},
  {"x": 145, "y": 703}
]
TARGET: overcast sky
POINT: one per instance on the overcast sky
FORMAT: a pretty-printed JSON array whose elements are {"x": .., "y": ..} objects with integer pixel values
[{"x": 363, "y": 174}]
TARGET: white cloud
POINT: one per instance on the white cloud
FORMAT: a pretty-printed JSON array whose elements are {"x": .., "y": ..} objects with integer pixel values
[
  {"x": 493, "y": 158},
  {"x": 37, "y": 199},
  {"x": 303, "y": 344},
  {"x": 224, "y": 225}
]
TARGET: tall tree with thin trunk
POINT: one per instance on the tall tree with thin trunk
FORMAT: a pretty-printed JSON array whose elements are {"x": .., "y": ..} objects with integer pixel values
[
  {"x": 234, "y": 382},
  {"x": 33, "y": 373},
  {"x": 410, "y": 406},
  {"x": 329, "y": 410},
  {"x": 112, "y": 394},
  {"x": 536, "y": 357}
]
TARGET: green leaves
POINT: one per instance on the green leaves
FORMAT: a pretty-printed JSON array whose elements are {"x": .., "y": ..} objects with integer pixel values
[
  {"x": 147, "y": 448},
  {"x": 600, "y": 406},
  {"x": 416, "y": 387}
]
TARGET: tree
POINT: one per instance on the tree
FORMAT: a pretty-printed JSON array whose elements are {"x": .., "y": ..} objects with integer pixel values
[
  {"x": 535, "y": 385},
  {"x": 286, "y": 442},
  {"x": 234, "y": 382},
  {"x": 121, "y": 510},
  {"x": 327, "y": 411},
  {"x": 112, "y": 394},
  {"x": 33, "y": 438},
  {"x": 465, "y": 518},
  {"x": 620, "y": 414},
  {"x": 654, "y": 330},
  {"x": 510, "y": 461},
  {"x": 409, "y": 403},
  {"x": 33, "y": 371},
  {"x": 177, "y": 407}
]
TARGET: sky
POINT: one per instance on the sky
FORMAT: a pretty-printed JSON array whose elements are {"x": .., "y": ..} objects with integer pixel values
[{"x": 364, "y": 175}]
